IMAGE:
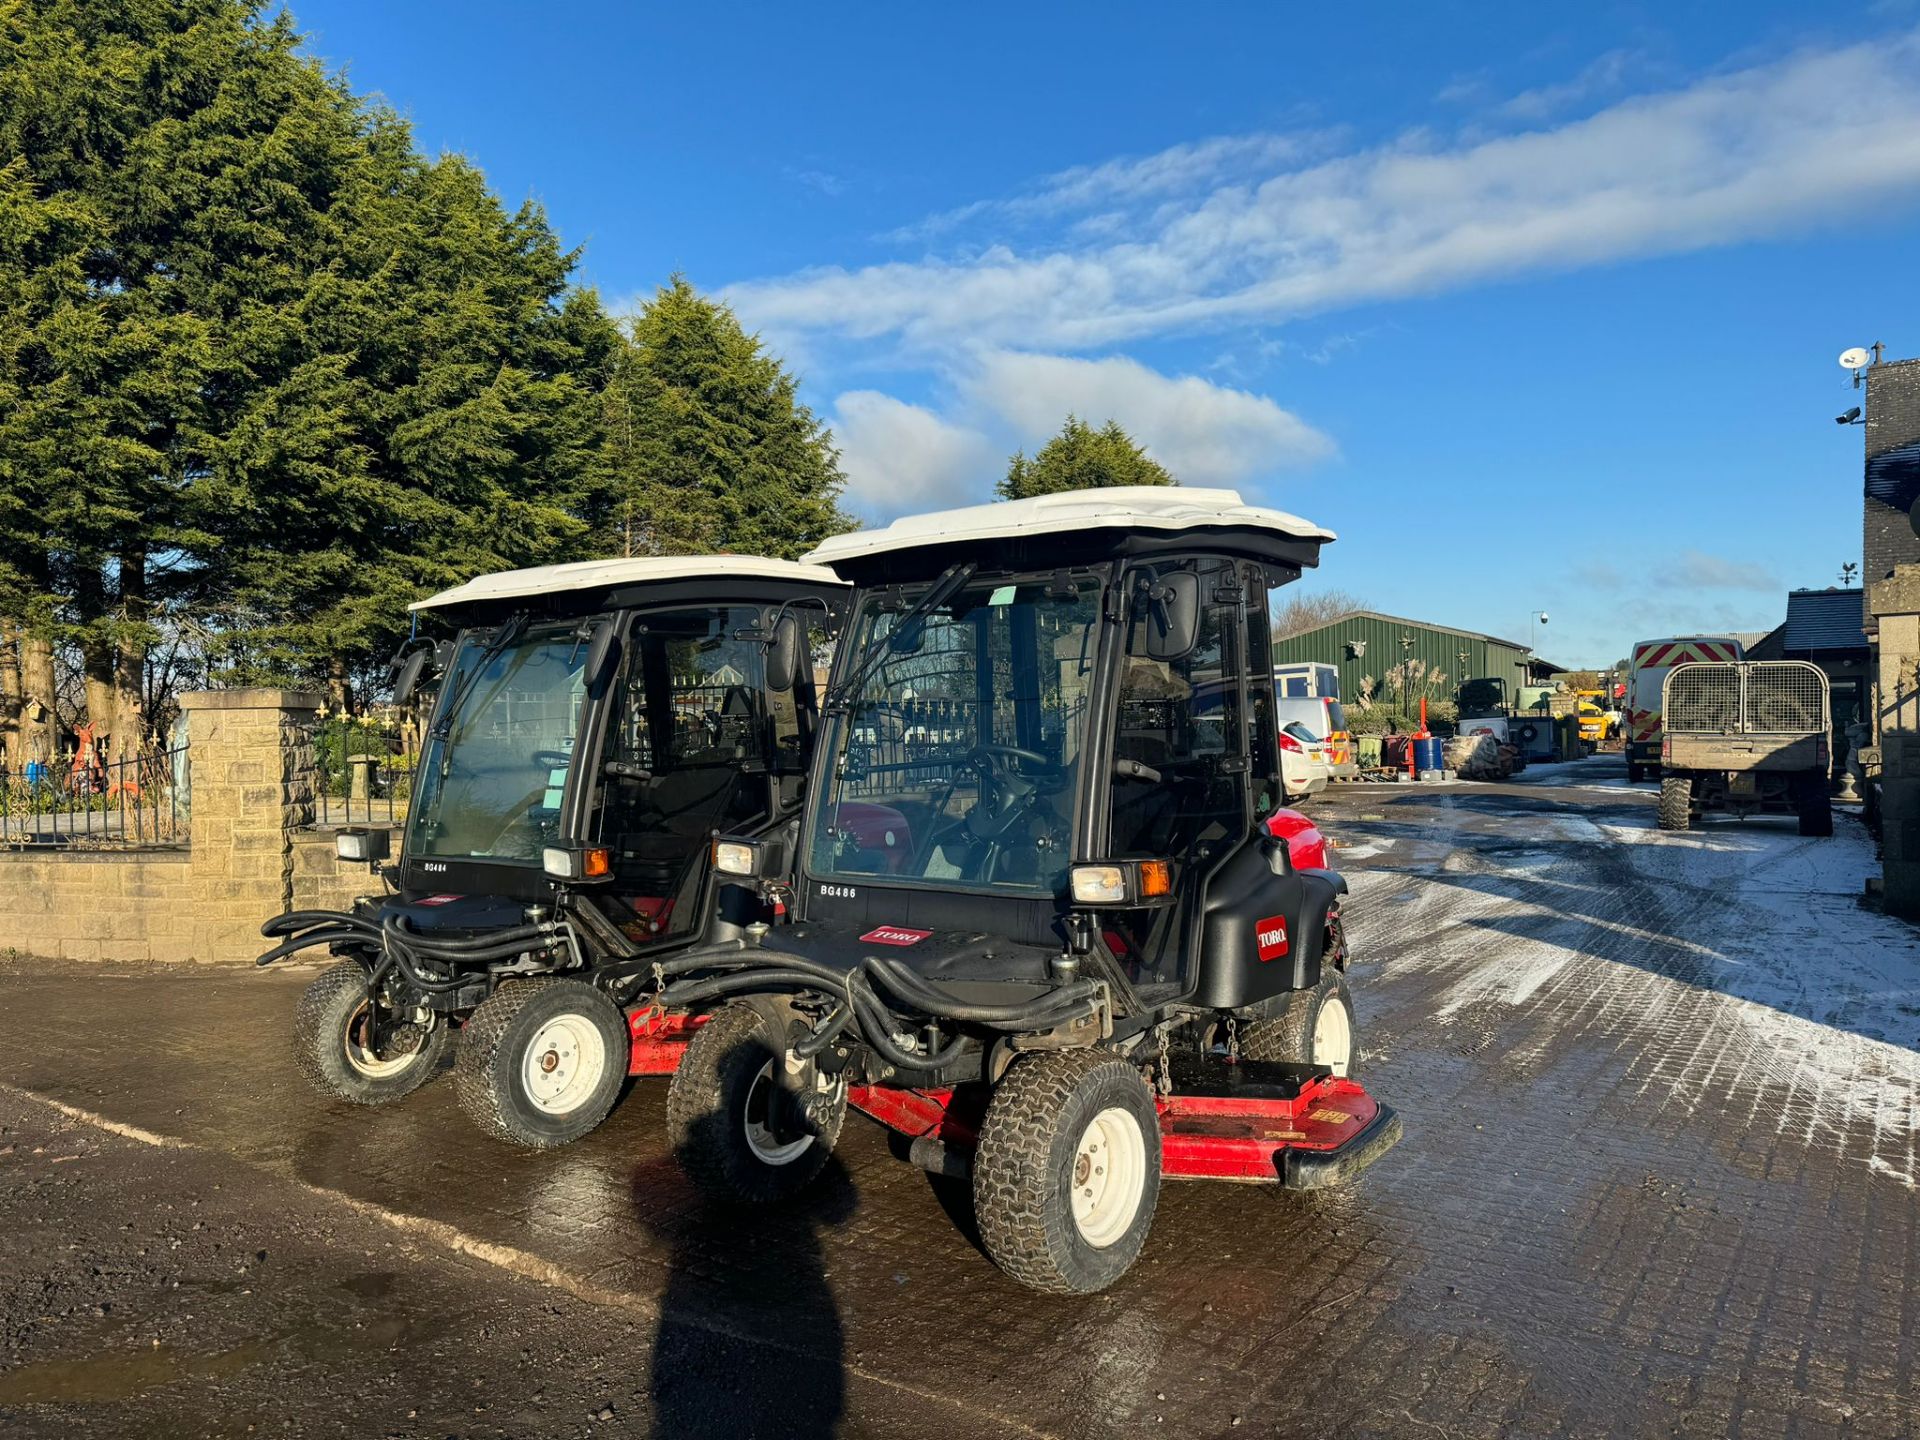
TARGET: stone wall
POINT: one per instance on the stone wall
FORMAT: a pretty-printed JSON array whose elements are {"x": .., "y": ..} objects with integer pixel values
[{"x": 249, "y": 857}]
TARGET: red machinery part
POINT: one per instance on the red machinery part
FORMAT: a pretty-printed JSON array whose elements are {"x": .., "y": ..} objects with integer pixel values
[
  {"x": 1305, "y": 844},
  {"x": 1330, "y": 1130},
  {"x": 659, "y": 1040},
  {"x": 1223, "y": 1137}
]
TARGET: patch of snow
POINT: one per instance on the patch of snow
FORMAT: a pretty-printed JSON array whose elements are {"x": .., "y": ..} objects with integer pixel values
[{"x": 1734, "y": 964}]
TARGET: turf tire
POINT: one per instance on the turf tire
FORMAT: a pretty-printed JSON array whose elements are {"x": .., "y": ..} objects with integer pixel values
[
  {"x": 322, "y": 1027},
  {"x": 717, "y": 1091},
  {"x": 1024, "y": 1169},
  {"x": 1636, "y": 772},
  {"x": 1676, "y": 802},
  {"x": 489, "y": 1072},
  {"x": 1287, "y": 1033}
]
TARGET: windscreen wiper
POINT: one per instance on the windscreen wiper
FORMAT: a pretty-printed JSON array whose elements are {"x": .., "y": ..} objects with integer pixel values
[
  {"x": 508, "y": 632},
  {"x": 945, "y": 588}
]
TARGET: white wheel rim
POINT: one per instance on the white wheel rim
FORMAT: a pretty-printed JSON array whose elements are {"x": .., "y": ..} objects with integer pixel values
[
  {"x": 1333, "y": 1036},
  {"x": 1109, "y": 1176},
  {"x": 762, "y": 1140},
  {"x": 367, "y": 1062},
  {"x": 564, "y": 1064}
]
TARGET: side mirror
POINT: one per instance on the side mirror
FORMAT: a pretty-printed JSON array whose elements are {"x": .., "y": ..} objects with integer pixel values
[
  {"x": 1173, "y": 614},
  {"x": 600, "y": 653},
  {"x": 783, "y": 654},
  {"x": 408, "y": 678}
]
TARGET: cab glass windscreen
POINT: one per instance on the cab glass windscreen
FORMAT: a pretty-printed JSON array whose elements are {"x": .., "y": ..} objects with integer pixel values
[
  {"x": 495, "y": 768},
  {"x": 955, "y": 763}
]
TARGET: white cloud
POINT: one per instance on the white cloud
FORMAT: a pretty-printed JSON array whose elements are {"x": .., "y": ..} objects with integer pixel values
[
  {"x": 1688, "y": 570},
  {"x": 1798, "y": 142},
  {"x": 1605, "y": 76},
  {"x": 1206, "y": 434},
  {"x": 1184, "y": 169},
  {"x": 900, "y": 458},
  {"x": 1697, "y": 570}
]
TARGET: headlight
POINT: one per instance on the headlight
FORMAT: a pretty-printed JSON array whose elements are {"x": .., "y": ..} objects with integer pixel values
[
  {"x": 592, "y": 863},
  {"x": 736, "y": 857},
  {"x": 1101, "y": 885},
  {"x": 366, "y": 847},
  {"x": 1122, "y": 882}
]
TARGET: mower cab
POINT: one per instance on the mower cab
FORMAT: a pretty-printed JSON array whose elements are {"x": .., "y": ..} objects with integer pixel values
[
  {"x": 594, "y": 726},
  {"x": 1044, "y": 917}
]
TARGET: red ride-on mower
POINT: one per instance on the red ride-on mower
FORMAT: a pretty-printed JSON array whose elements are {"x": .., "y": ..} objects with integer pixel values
[
  {"x": 595, "y": 726},
  {"x": 1084, "y": 949}
]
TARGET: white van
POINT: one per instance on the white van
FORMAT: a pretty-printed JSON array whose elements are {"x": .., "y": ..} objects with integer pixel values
[
  {"x": 1651, "y": 660},
  {"x": 1309, "y": 695}
]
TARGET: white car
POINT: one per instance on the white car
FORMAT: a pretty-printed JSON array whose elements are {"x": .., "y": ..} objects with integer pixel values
[{"x": 1303, "y": 763}]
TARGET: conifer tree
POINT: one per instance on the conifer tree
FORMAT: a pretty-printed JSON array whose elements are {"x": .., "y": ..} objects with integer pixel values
[
  {"x": 1082, "y": 458},
  {"x": 709, "y": 448},
  {"x": 257, "y": 356}
]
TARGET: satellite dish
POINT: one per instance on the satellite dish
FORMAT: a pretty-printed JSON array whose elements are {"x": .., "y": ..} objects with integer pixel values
[{"x": 1854, "y": 359}]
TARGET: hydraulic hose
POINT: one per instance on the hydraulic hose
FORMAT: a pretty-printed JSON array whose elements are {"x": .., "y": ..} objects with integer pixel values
[
  {"x": 697, "y": 992},
  {"x": 310, "y": 938},
  {"x": 754, "y": 960},
  {"x": 876, "y": 1028},
  {"x": 303, "y": 919},
  {"x": 520, "y": 938},
  {"x": 471, "y": 951},
  {"x": 924, "y": 996},
  {"x": 827, "y": 1032}
]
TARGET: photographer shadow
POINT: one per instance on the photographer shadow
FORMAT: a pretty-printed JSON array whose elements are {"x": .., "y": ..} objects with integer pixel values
[{"x": 750, "y": 1341}]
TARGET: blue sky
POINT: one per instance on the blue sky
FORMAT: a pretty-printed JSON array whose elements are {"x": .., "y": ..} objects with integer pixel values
[{"x": 1537, "y": 306}]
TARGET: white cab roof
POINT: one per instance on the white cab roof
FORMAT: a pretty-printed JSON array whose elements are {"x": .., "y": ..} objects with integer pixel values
[
  {"x": 1133, "y": 507},
  {"x": 642, "y": 570}
]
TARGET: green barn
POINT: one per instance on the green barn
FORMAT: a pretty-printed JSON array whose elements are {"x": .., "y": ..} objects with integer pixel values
[{"x": 1367, "y": 643}]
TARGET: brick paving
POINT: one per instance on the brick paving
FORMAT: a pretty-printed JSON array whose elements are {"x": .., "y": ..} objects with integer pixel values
[{"x": 1659, "y": 1176}]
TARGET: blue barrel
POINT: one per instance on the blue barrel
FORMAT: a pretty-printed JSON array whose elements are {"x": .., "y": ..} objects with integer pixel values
[{"x": 1429, "y": 755}]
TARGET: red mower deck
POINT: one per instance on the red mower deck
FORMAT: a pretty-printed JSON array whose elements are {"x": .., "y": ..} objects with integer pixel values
[
  {"x": 659, "y": 1040},
  {"x": 1296, "y": 1126}
]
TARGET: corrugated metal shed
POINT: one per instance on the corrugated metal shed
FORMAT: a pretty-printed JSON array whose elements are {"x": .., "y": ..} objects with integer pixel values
[
  {"x": 1367, "y": 643},
  {"x": 1822, "y": 622}
]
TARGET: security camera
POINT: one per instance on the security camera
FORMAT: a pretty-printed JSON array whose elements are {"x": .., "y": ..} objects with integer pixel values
[
  {"x": 1543, "y": 617},
  {"x": 1849, "y": 418}
]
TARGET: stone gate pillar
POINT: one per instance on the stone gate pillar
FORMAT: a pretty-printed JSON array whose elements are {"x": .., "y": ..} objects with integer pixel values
[
  {"x": 1895, "y": 602},
  {"x": 250, "y": 754}
]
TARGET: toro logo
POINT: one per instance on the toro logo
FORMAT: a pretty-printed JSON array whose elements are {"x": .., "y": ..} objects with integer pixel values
[
  {"x": 895, "y": 935},
  {"x": 1270, "y": 937}
]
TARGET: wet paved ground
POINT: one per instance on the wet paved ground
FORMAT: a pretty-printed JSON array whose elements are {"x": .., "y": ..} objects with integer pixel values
[{"x": 1660, "y": 1177}]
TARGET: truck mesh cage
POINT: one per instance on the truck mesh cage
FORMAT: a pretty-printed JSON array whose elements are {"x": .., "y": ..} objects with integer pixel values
[
  {"x": 1786, "y": 698},
  {"x": 1756, "y": 697},
  {"x": 1702, "y": 699}
]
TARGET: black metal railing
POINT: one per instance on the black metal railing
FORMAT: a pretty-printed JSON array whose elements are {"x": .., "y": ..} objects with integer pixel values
[
  {"x": 362, "y": 771},
  {"x": 88, "y": 801}
]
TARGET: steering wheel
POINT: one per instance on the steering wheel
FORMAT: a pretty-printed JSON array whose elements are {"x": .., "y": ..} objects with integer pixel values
[
  {"x": 982, "y": 756},
  {"x": 1005, "y": 792}
]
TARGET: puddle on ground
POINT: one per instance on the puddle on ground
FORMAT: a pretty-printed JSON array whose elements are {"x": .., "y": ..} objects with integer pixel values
[
  {"x": 127, "y": 1374},
  {"x": 122, "y": 1375}
]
